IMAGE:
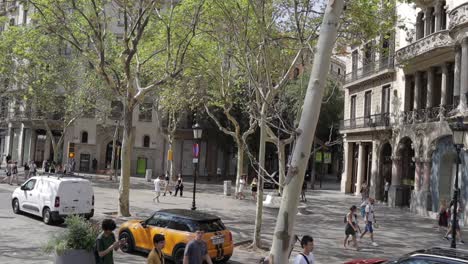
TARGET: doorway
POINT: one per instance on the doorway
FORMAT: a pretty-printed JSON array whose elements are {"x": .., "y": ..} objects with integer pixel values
[{"x": 117, "y": 161}]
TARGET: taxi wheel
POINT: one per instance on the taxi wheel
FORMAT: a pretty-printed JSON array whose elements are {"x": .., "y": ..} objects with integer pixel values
[
  {"x": 224, "y": 260},
  {"x": 16, "y": 207},
  {"x": 129, "y": 246},
  {"x": 179, "y": 255}
]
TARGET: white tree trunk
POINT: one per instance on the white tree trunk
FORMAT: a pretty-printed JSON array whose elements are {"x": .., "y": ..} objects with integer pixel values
[
  {"x": 261, "y": 164},
  {"x": 240, "y": 165},
  {"x": 127, "y": 149},
  {"x": 281, "y": 166},
  {"x": 114, "y": 150},
  {"x": 170, "y": 162},
  {"x": 284, "y": 230}
]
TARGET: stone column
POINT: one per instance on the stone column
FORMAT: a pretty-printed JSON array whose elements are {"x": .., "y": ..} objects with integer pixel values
[
  {"x": 347, "y": 166},
  {"x": 423, "y": 201},
  {"x": 464, "y": 74},
  {"x": 375, "y": 179},
  {"x": 360, "y": 168},
  {"x": 456, "y": 72},
  {"x": 427, "y": 22},
  {"x": 394, "y": 194},
  {"x": 417, "y": 90},
  {"x": 20, "y": 146},
  {"x": 443, "y": 85},
  {"x": 430, "y": 87},
  {"x": 417, "y": 174},
  {"x": 8, "y": 142},
  {"x": 438, "y": 16},
  {"x": 47, "y": 147}
]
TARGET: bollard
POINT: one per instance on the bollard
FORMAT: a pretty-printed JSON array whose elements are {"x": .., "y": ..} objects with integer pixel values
[
  {"x": 227, "y": 188},
  {"x": 148, "y": 175}
]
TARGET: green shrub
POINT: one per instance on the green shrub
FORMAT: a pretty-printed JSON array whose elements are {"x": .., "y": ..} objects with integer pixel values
[{"x": 80, "y": 234}]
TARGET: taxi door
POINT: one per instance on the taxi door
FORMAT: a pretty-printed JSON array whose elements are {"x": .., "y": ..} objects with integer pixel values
[{"x": 158, "y": 227}]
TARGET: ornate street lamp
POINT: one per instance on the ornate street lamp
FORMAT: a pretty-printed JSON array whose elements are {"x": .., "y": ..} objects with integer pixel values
[
  {"x": 458, "y": 130},
  {"x": 197, "y": 135}
]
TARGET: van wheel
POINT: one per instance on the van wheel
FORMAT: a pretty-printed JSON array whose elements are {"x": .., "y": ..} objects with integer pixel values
[
  {"x": 46, "y": 216},
  {"x": 16, "y": 207},
  {"x": 179, "y": 255},
  {"x": 129, "y": 246}
]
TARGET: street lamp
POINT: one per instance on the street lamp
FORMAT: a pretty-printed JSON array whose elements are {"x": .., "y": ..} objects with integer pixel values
[
  {"x": 458, "y": 130},
  {"x": 197, "y": 134}
]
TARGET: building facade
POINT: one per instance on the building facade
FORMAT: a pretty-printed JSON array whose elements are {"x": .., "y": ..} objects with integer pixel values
[
  {"x": 399, "y": 104},
  {"x": 24, "y": 136}
]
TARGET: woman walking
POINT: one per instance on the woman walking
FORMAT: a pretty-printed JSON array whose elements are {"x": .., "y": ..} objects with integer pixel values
[
  {"x": 240, "y": 194},
  {"x": 253, "y": 188},
  {"x": 179, "y": 186},
  {"x": 351, "y": 227}
]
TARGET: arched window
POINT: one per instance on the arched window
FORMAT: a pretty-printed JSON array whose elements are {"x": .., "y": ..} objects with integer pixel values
[
  {"x": 84, "y": 137},
  {"x": 146, "y": 141}
]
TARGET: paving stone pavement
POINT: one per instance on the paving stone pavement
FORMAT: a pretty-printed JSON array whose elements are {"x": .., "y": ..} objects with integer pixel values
[{"x": 322, "y": 216}]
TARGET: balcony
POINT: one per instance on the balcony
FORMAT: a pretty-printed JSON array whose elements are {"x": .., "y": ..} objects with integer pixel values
[
  {"x": 433, "y": 114},
  {"x": 436, "y": 43},
  {"x": 378, "y": 120},
  {"x": 458, "y": 17},
  {"x": 370, "y": 71}
]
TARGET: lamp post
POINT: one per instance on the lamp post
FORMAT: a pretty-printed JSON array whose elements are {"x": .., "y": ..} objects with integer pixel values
[
  {"x": 458, "y": 130},
  {"x": 197, "y": 134}
]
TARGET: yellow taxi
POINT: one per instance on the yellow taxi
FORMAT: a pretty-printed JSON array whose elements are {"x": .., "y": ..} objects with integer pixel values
[{"x": 178, "y": 226}]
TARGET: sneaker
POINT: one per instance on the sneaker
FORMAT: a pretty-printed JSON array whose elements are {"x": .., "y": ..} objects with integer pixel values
[
  {"x": 375, "y": 244},
  {"x": 446, "y": 237}
]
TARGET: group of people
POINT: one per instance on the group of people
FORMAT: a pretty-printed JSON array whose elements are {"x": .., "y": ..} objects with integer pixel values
[
  {"x": 445, "y": 220},
  {"x": 253, "y": 188},
  {"x": 196, "y": 251},
  {"x": 164, "y": 182},
  {"x": 11, "y": 171},
  {"x": 352, "y": 228}
]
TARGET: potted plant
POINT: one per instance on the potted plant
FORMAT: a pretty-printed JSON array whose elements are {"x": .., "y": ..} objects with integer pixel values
[{"x": 76, "y": 244}]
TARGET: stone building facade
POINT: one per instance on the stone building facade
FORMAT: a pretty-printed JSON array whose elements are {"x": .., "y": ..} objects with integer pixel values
[{"x": 399, "y": 101}]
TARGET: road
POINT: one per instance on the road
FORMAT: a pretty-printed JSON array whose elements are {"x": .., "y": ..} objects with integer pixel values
[{"x": 322, "y": 216}]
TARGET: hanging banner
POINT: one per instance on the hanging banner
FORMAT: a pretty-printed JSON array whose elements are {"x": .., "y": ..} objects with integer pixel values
[
  {"x": 318, "y": 157},
  {"x": 327, "y": 157},
  {"x": 170, "y": 155}
]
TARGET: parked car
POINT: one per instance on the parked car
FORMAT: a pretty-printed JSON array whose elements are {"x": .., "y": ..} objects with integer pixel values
[
  {"x": 178, "y": 226},
  {"x": 434, "y": 255},
  {"x": 54, "y": 197}
]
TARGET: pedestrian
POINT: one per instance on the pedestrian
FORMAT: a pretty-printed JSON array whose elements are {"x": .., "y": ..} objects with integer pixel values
[
  {"x": 46, "y": 166},
  {"x": 167, "y": 187},
  {"x": 196, "y": 250},
  {"x": 94, "y": 165},
  {"x": 303, "y": 191},
  {"x": 156, "y": 256},
  {"x": 306, "y": 256},
  {"x": 179, "y": 186},
  {"x": 363, "y": 208},
  {"x": 52, "y": 167},
  {"x": 7, "y": 173},
  {"x": 106, "y": 243},
  {"x": 32, "y": 168},
  {"x": 218, "y": 173},
  {"x": 240, "y": 194},
  {"x": 369, "y": 220},
  {"x": 386, "y": 188},
  {"x": 14, "y": 173},
  {"x": 443, "y": 216},
  {"x": 351, "y": 227},
  {"x": 364, "y": 191},
  {"x": 157, "y": 188},
  {"x": 26, "y": 171},
  {"x": 457, "y": 222},
  {"x": 253, "y": 188}
]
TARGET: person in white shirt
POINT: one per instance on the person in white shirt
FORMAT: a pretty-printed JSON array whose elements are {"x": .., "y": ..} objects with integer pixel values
[
  {"x": 369, "y": 220},
  {"x": 242, "y": 182},
  {"x": 306, "y": 256},
  {"x": 386, "y": 189},
  {"x": 157, "y": 188}
]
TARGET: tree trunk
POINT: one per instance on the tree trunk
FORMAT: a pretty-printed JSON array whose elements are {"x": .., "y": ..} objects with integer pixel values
[
  {"x": 240, "y": 164},
  {"x": 127, "y": 149},
  {"x": 114, "y": 150},
  {"x": 284, "y": 231},
  {"x": 261, "y": 164},
  {"x": 170, "y": 162},
  {"x": 281, "y": 166}
]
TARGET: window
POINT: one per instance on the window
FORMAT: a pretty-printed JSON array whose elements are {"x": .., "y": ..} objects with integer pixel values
[
  {"x": 339, "y": 71},
  {"x": 159, "y": 220},
  {"x": 177, "y": 224},
  {"x": 116, "y": 110},
  {"x": 208, "y": 226},
  {"x": 12, "y": 22},
  {"x": 29, "y": 186},
  {"x": 146, "y": 112},
  {"x": 84, "y": 137},
  {"x": 355, "y": 58},
  {"x": 386, "y": 99},
  {"x": 146, "y": 141},
  {"x": 367, "y": 103},
  {"x": 25, "y": 16},
  {"x": 353, "y": 107}
]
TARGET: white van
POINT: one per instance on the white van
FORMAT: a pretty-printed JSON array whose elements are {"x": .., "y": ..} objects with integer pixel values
[{"x": 54, "y": 197}]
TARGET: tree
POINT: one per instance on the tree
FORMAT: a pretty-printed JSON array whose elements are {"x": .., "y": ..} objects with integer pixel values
[{"x": 133, "y": 46}]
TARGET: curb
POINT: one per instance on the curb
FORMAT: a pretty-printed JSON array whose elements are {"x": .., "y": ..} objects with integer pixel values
[{"x": 243, "y": 242}]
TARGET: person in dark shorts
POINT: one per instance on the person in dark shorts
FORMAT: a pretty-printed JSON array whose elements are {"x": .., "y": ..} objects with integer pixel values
[
  {"x": 179, "y": 186},
  {"x": 351, "y": 227},
  {"x": 196, "y": 251},
  {"x": 253, "y": 188}
]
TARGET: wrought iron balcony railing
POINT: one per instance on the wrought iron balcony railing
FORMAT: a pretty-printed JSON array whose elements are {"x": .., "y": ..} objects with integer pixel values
[
  {"x": 370, "y": 69},
  {"x": 365, "y": 122}
]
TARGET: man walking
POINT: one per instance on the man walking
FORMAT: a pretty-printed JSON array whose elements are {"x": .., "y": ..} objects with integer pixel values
[
  {"x": 156, "y": 256},
  {"x": 157, "y": 189},
  {"x": 306, "y": 257},
  {"x": 167, "y": 187},
  {"x": 106, "y": 244},
  {"x": 369, "y": 220},
  {"x": 196, "y": 250},
  {"x": 386, "y": 188}
]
